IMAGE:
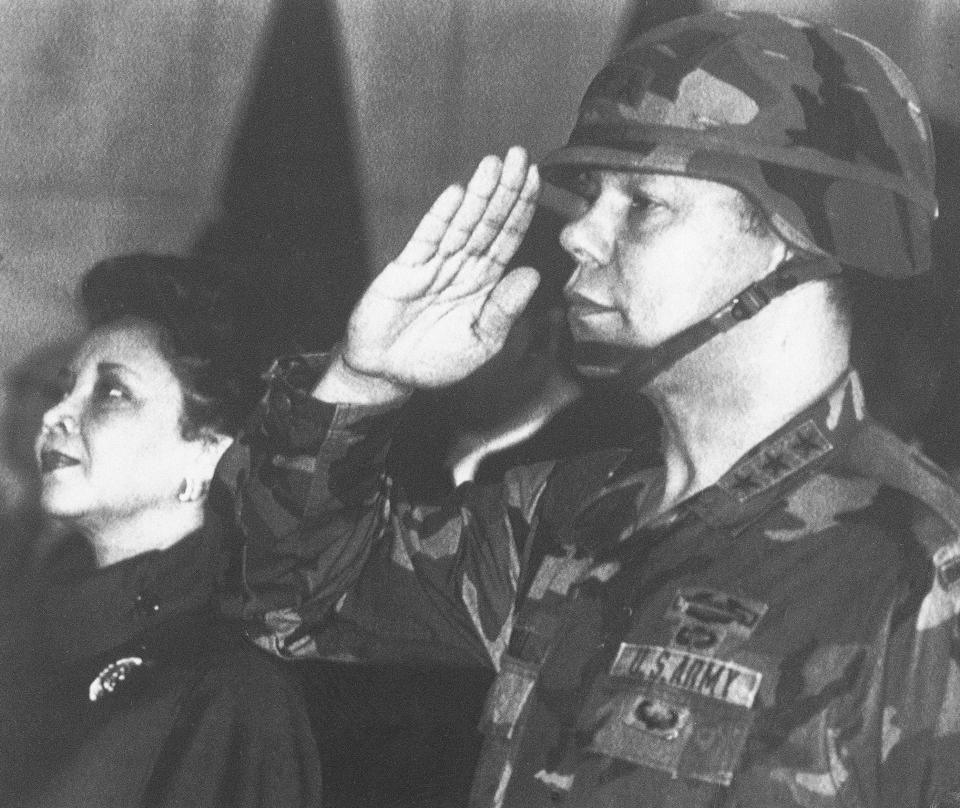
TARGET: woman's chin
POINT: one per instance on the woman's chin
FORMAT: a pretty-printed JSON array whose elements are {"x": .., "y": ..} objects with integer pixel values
[{"x": 55, "y": 505}]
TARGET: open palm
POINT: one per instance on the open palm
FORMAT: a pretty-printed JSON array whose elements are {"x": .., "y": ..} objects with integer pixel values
[{"x": 444, "y": 306}]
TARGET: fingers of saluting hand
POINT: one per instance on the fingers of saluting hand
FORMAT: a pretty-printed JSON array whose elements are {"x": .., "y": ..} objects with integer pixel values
[
  {"x": 490, "y": 216},
  {"x": 488, "y": 186},
  {"x": 487, "y": 224},
  {"x": 426, "y": 238},
  {"x": 452, "y": 218},
  {"x": 513, "y": 228}
]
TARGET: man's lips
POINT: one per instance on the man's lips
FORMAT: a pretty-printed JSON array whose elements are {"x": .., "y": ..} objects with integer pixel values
[
  {"x": 585, "y": 317},
  {"x": 580, "y": 307},
  {"x": 581, "y": 312},
  {"x": 51, "y": 460}
]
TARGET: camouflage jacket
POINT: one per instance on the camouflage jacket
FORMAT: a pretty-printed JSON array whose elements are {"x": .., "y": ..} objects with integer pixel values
[{"x": 787, "y": 637}]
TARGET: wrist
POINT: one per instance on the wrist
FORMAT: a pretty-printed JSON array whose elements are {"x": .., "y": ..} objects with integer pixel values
[{"x": 342, "y": 384}]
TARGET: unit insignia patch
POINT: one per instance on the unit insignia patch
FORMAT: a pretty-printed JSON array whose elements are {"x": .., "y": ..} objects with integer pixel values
[
  {"x": 680, "y": 733},
  {"x": 713, "y": 608}
]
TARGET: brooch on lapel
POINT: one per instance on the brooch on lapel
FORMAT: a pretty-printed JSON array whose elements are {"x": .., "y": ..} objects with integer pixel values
[{"x": 111, "y": 676}]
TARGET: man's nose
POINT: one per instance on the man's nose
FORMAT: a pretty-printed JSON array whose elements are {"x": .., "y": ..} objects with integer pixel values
[{"x": 591, "y": 238}]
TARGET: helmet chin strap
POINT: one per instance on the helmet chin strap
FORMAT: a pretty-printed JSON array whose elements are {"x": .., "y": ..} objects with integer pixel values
[{"x": 602, "y": 361}]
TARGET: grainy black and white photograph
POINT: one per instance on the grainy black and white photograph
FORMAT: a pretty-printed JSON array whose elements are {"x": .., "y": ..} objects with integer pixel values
[{"x": 496, "y": 404}]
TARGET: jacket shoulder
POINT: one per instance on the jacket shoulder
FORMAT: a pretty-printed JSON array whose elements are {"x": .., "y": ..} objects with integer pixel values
[
  {"x": 234, "y": 667},
  {"x": 877, "y": 453},
  {"x": 243, "y": 712}
]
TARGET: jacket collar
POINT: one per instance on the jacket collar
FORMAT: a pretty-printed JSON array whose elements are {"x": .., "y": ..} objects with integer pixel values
[
  {"x": 763, "y": 476},
  {"x": 779, "y": 464},
  {"x": 85, "y": 616}
]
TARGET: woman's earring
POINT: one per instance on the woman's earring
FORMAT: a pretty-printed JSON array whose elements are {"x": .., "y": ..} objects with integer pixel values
[
  {"x": 183, "y": 493},
  {"x": 192, "y": 490}
]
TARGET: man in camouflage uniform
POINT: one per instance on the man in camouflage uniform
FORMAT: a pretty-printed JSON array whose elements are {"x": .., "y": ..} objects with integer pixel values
[{"x": 754, "y": 621}]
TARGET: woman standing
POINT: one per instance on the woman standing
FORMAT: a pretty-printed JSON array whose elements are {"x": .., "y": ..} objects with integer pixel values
[{"x": 155, "y": 699}]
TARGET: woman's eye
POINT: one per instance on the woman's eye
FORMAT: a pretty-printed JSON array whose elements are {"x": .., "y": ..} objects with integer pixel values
[
  {"x": 59, "y": 389},
  {"x": 110, "y": 391}
]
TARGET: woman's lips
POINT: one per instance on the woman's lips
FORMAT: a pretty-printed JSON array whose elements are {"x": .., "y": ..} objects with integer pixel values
[{"x": 51, "y": 460}]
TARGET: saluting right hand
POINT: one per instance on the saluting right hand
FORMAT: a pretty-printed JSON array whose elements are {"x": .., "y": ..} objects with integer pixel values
[{"x": 444, "y": 306}]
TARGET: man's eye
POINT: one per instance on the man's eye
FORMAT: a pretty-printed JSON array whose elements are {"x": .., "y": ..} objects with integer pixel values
[{"x": 585, "y": 185}]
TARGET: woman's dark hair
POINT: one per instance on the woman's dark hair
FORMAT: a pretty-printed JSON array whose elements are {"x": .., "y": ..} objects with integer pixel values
[{"x": 197, "y": 308}]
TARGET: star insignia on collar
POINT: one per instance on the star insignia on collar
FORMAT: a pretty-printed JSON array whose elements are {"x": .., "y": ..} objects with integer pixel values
[
  {"x": 745, "y": 483},
  {"x": 806, "y": 443},
  {"x": 110, "y": 678},
  {"x": 776, "y": 461},
  {"x": 774, "y": 464}
]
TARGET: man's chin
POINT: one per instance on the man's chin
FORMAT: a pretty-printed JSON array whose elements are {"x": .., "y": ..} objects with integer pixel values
[{"x": 599, "y": 360}]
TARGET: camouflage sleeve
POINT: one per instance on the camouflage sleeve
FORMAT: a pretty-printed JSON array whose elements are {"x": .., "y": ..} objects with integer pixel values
[
  {"x": 893, "y": 740},
  {"x": 919, "y": 723},
  {"x": 338, "y": 564}
]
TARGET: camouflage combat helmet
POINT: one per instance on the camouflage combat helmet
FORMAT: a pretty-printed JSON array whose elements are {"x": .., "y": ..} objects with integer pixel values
[{"x": 819, "y": 128}]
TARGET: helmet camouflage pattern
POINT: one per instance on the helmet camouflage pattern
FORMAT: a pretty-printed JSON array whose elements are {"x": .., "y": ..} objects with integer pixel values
[{"x": 818, "y": 127}]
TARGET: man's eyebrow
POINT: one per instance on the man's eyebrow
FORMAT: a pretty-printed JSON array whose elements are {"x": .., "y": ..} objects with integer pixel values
[{"x": 637, "y": 181}]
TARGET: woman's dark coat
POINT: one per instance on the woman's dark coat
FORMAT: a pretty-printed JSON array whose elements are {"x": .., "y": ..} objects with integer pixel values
[{"x": 154, "y": 699}]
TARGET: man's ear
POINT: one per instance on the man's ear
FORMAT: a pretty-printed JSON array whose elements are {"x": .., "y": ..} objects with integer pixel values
[{"x": 780, "y": 254}]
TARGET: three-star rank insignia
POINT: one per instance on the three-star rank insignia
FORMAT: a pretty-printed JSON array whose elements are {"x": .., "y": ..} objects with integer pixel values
[
  {"x": 112, "y": 676},
  {"x": 775, "y": 461}
]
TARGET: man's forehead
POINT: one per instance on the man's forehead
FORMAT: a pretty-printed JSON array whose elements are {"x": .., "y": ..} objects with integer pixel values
[{"x": 656, "y": 183}]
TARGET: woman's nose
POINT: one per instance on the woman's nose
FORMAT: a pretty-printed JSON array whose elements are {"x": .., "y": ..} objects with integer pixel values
[{"x": 59, "y": 416}]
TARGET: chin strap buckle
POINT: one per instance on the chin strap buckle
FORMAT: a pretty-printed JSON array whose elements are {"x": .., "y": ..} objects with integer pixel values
[
  {"x": 757, "y": 296},
  {"x": 748, "y": 303},
  {"x": 601, "y": 360}
]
